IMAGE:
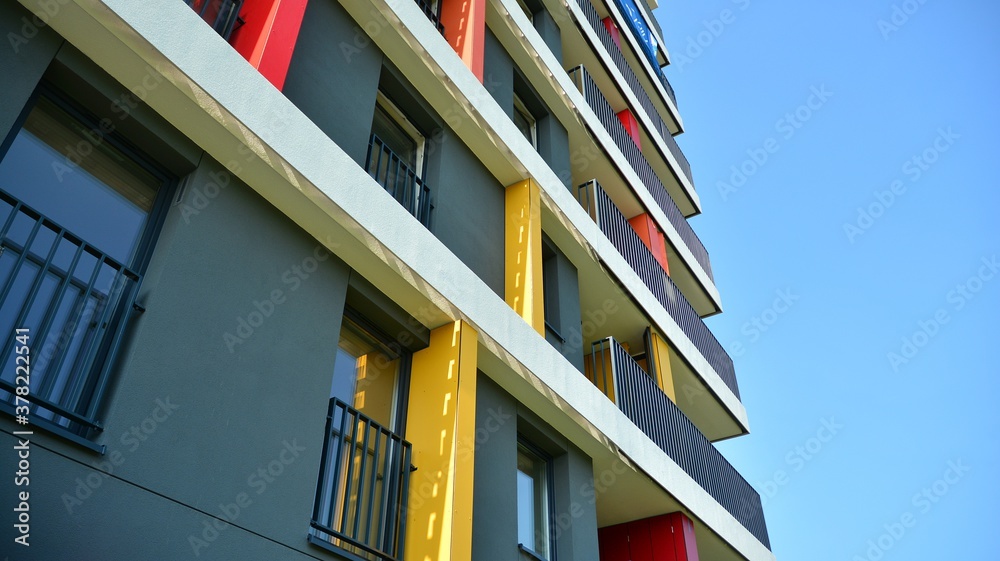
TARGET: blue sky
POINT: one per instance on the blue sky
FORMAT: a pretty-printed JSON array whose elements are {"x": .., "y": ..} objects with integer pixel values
[{"x": 873, "y": 219}]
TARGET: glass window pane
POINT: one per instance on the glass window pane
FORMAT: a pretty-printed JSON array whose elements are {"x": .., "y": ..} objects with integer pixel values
[
  {"x": 365, "y": 375},
  {"x": 394, "y": 137},
  {"x": 73, "y": 176},
  {"x": 532, "y": 501}
]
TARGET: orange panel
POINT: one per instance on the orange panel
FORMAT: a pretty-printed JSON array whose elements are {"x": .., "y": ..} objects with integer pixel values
[
  {"x": 652, "y": 236},
  {"x": 465, "y": 30}
]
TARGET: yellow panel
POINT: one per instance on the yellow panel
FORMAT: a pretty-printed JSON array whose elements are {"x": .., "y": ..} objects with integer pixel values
[
  {"x": 661, "y": 357},
  {"x": 441, "y": 426},
  {"x": 603, "y": 378},
  {"x": 523, "y": 253}
]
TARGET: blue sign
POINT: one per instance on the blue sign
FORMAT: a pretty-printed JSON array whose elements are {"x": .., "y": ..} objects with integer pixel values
[{"x": 633, "y": 15}]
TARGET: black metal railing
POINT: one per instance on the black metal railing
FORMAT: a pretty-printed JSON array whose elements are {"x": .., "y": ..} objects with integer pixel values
[
  {"x": 617, "y": 229},
  {"x": 363, "y": 485},
  {"x": 75, "y": 301},
  {"x": 399, "y": 179},
  {"x": 608, "y": 117},
  {"x": 432, "y": 9},
  {"x": 222, "y": 15},
  {"x": 649, "y": 408},
  {"x": 633, "y": 82}
]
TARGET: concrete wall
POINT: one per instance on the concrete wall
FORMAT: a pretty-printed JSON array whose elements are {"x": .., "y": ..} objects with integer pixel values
[
  {"x": 499, "y": 420},
  {"x": 334, "y": 75},
  {"x": 562, "y": 303},
  {"x": 29, "y": 51}
]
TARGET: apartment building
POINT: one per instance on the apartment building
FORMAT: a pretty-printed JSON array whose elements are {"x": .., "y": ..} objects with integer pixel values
[{"x": 356, "y": 279}]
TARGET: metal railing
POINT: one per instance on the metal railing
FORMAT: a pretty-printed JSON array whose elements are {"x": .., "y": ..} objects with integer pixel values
[
  {"x": 399, "y": 179},
  {"x": 648, "y": 407},
  {"x": 222, "y": 15},
  {"x": 608, "y": 117},
  {"x": 617, "y": 229},
  {"x": 432, "y": 9},
  {"x": 363, "y": 486},
  {"x": 75, "y": 301},
  {"x": 633, "y": 82}
]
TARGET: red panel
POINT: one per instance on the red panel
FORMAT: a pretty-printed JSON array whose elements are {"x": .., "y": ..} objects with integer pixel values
[
  {"x": 687, "y": 543},
  {"x": 631, "y": 126},
  {"x": 613, "y": 542},
  {"x": 267, "y": 39},
  {"x": 662, "y": 536},
  {"x": 640, "y": 546},
  {"x": 652, "y": 236},
  {"x": 609, "y": 24},
  {"x": 465, "y": 30}
]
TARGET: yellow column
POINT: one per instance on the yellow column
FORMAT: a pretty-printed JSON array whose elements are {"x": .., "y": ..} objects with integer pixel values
[
  {"x": 523, "y": 253},
  {"x": 659, "y": 353},
  {"x": 441, "y": 426}
]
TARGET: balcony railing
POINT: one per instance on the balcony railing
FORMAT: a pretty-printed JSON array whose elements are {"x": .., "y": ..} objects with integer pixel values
[
  {"x": 645, "y": 404},
  {"x": 608, "y": 117},
  {"x": 363, "y": 486},
  {"x": 75, "y": 301},
  {"x": 633, "y": 82},
  {"x": 432, "y": 9},
  {"x": 399, "y": 179},
  {"x": 222, "y": 15},
  {"x": 617, "y": 229}
]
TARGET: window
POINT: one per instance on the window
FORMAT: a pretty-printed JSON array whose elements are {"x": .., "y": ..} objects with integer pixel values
[
  {"x": 525, "y": 122},
  {"x": 527, "y": 11},
  {"x": 79, "y": 211},
  {"x": 396, "y": 158},
  {"x": 534, "y": 501},
  {"x": 365, "y": 469}
]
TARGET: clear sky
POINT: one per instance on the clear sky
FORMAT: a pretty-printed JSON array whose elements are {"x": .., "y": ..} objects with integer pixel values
[{"x": 872, "y": 220}]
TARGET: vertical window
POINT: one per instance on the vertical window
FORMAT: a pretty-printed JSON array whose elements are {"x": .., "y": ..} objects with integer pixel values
[
  {"x": 525, "y": 122},
  {"x": 396, "y": 158},
  {"x": 527, "y": 11},
  {"x": 78, "y": 216},
  {"x": 365, "y": 469},
  {"x": 534, "y": 504}
]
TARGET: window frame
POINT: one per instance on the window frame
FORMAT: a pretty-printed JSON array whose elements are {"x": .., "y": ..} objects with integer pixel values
[
  {"x": 521, "y": 110},
  {"x": 549, "y": 496},
  {"x": 103, "y": 127},
  {"x": 397, "y": 115}
]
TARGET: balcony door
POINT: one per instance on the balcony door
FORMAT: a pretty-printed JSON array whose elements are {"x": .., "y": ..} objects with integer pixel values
[{"x": 77, "y": 221}]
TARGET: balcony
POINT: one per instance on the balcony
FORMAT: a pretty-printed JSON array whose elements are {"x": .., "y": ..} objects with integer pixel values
[
  {"x": 76, "y": 302},
  {"x": 399, "y": 180},
  {"x": 635, "y": 393},
  {"x": 608, "y": 117},
  {"x": 363, "y": 487},
  {"x": 222, "y": 15},
  {"x": 432, "y": 9},
  {"x": 633, "y": 82},
  {"x": 617, "y": 229}
]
